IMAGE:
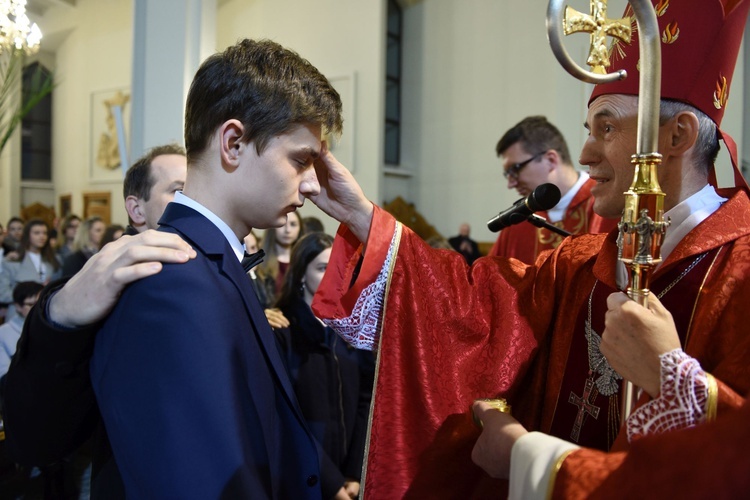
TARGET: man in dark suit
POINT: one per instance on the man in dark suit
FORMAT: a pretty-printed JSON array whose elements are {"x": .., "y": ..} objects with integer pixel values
[
  {"x": 46, "y": 425},
  {"x": 189, "y": 382},
  {"x": 463, "y": 244}
]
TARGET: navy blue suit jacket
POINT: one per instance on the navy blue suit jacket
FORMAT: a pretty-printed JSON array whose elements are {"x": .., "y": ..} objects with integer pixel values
[{"x": 191, "y": 387}]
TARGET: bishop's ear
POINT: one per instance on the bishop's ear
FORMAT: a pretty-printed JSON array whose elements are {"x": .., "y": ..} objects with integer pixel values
[{"x": 683, "y": 133}]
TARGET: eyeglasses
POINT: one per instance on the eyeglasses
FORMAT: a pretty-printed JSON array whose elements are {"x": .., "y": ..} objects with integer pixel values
[{"x": 514, "y": 169}]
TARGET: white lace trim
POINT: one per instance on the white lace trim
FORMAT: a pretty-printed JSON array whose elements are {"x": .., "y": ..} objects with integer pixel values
[
  {"x": 682, "y": 402},
  {"x": 361, "y": 328}
]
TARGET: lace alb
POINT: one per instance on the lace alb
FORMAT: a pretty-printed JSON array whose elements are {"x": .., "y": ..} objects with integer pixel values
[
  {"x": 360, "y": 329},
  {"x": 682, "y": 402}
]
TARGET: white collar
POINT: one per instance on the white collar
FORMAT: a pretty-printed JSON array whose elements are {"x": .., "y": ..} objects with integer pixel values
[
  {"x": 558, "y": 212},
  {"x": 687, "y": 214},
  {"x": 238, "y": 248}
]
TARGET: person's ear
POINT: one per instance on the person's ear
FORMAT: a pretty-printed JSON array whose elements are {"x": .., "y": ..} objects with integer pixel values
[
  {"x": 230, "y": 145},
  {"x": 681, "y": 134},
  {"x": 553, "y": 159},
  {"x": 135, "y": 210}
]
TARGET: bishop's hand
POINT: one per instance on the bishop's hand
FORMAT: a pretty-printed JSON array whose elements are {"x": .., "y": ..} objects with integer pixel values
[
  {"x": 635, "y": 336},
  {"x": 500, "y": 431},
  {"x": 340, "y": 195}
]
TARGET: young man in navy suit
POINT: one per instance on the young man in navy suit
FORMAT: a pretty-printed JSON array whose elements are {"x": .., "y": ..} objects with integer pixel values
[{"x": 189, "y": 382}]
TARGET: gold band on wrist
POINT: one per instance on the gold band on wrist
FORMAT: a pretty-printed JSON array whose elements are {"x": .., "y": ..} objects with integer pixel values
[{"x": 499, "y": 404}]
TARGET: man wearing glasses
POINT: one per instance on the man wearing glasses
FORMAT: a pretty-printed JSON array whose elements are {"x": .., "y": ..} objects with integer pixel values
[{"x": 534, "y": 152}]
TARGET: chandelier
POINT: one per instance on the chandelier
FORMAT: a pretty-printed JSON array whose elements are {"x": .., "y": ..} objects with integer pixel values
[{"x": 15, "y": 31}]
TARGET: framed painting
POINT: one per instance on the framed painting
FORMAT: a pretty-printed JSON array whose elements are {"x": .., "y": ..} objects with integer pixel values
[
  {"x": 98, "y": 204},
  {"x": 109, "y": 108},
  {"x": 66, "y": 205}
]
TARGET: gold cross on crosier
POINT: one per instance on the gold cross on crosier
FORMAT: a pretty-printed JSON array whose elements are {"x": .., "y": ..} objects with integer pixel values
[{"x": 600, "y": 28}]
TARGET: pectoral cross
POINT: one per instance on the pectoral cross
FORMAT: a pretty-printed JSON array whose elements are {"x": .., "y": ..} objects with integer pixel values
[
  {"x": 584, "y": 406},
  {"x": 600, "y": 27}
]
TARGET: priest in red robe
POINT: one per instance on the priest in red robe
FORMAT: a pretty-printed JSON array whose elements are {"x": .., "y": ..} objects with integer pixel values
[
  {"x": 447, "y": 334},
  {"x": 534, "y": 152}
]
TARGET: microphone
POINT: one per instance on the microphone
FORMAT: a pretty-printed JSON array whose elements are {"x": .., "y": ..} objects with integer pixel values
[{"x": 544, "y": 197}]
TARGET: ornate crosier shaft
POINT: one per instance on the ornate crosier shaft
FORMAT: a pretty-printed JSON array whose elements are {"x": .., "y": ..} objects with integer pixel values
[
  {"x": 642, "y": 229},
  {"x": 642, "y": 225}
]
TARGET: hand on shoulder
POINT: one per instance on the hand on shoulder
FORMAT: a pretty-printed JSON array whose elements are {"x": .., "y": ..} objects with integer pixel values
[{"x": 91, "y": 293}]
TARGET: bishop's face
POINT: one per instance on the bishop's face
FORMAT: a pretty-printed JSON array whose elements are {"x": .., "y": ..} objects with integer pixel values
[{"x": 612, "y": 122}]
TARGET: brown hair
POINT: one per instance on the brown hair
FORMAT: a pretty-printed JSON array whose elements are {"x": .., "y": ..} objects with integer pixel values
[
  {"x": 536, "y": 135},
  {"x": 263, "y": 85},
  {"x": 47, "y": 253},
  {"x": 138, "y": 179}
]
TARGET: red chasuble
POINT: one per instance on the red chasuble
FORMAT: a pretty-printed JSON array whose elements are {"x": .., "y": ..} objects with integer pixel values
[
  {"x": 525, "y": 241},
  {"x": 710, "y": 461},
  {"x": 450, "y": 334}
]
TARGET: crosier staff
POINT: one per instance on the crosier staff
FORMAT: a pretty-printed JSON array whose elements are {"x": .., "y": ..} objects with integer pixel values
[{"x": 642, "y": 226}]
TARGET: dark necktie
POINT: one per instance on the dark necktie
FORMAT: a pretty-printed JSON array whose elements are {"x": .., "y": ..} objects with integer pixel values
[{"x": 250, "y": 260}]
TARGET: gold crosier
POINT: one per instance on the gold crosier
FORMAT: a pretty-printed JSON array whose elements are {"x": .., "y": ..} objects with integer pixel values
[
  {"x": 642, "y": 226},
  {"x": 600, "y": 27}
]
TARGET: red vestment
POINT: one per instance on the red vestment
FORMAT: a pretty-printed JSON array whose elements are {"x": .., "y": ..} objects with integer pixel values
[
  {"x": 525, "y": 241},
  {"x": 709, "y": 461},
  {"x": 450, "y": 334}
]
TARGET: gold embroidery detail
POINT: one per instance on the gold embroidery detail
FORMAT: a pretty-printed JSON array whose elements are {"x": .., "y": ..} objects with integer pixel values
[
  {"x": 617, "y": 47},
  {"x": 661, "y": 7},
  {"x": 547, "y": 237},
  {"x": 577, "y": 220},
  {"x": 712, "y": 402},
  {"x": 553, "y": 473},
  {"x": 721, "y": 94},
  {"x": 377, "y": 357},
  {"x": 671, "y": 33}
]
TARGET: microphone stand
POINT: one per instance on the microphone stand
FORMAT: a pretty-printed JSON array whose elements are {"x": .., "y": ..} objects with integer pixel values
[{"x": 541, "y": 222}]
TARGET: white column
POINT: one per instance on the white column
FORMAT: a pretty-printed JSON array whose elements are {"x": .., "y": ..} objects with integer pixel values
[{"x": 170, "y": 40}]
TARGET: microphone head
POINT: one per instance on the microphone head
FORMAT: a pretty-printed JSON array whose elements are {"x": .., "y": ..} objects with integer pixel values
[{"x": 544, "y": 197}]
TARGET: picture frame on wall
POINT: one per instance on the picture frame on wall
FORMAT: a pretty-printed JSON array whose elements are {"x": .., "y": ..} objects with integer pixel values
[
  {"x": 98, "y": 204},
  {"x": 66, "y": 205},
  {"x": 105, "y": 158}
]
